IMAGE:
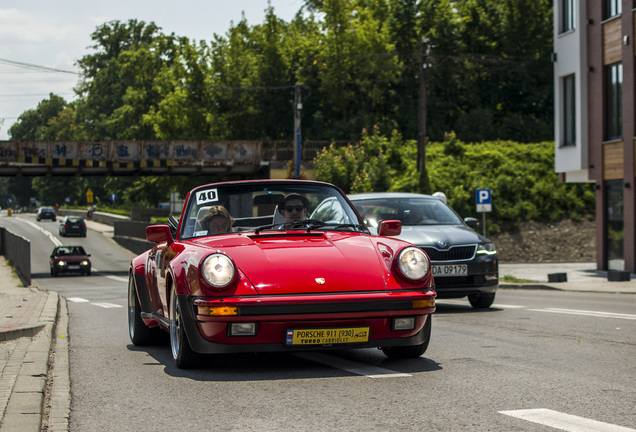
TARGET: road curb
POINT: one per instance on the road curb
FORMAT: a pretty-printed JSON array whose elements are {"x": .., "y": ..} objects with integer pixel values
[
  {"x": 59, "y": 396},
  {"x": 17, "y": 333}
]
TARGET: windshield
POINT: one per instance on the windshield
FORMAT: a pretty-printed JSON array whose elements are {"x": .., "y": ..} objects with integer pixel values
[
  {"x": 410, "y": 211},
  {"x": 255, "y": 207},
  {"x": 70, "y": 250}
]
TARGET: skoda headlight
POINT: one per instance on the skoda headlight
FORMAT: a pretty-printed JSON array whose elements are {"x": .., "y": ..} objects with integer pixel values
[
  {"x": 486, "y": 249},
  {"x": 413, "y": 263},
  {"x": 218, "y": 270}
]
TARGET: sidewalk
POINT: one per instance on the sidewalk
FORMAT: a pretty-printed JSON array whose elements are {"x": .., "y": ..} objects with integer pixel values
[
  {"x": 580, "y": 277},
  {"x": 34, "y": 329},
  {"x": 29, "y": 320}
]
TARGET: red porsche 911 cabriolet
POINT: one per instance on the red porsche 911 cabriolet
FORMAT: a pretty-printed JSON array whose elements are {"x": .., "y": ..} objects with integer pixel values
[{"x": 278, "y": 265}]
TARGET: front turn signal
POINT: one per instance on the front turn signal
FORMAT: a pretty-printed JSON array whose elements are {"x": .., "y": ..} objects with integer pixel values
[
  {"x": 424, "y": 304},
  {"x": 218, "y": 310}
]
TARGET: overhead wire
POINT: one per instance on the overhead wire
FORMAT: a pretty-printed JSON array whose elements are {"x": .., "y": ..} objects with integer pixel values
[{"x": 37, "y": 67}]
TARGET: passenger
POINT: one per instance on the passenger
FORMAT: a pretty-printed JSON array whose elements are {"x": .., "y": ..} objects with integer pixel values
[
  {"x": 217, "y": 220},
  {"x": 294, "y": 208}
]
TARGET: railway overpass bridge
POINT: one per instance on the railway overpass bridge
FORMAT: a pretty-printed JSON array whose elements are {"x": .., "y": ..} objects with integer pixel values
[{"x": 120, "y": 158}]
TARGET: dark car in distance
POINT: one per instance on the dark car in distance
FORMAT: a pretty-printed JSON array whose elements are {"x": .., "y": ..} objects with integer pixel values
[
  {"x": 73, "y": 225},
  {"x": 46, "y": 213},
  {"x": 464, "y": 263},
  {"x": 70, "y": 259}
]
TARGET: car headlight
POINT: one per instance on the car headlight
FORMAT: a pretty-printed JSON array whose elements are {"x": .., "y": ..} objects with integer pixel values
[
  {"x": 84, "y": 263},
  {"x": 486, "y": 249},
  {"x": 413, "y": 263},
  {"x": 218, "y": 270},
  {"x": 61, "y": 263}
]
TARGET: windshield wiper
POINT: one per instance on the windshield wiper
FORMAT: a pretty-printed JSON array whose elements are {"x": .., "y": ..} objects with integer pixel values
[
  {"x": 317, "y": 224},
  {"x": 309, "y": 224}
]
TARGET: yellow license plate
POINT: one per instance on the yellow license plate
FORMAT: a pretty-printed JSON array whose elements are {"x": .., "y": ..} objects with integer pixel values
[{"x": 327, "y": 336}]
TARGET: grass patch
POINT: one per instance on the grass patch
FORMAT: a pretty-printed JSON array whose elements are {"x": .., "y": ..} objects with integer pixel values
[{"x": 512, "y": 279}]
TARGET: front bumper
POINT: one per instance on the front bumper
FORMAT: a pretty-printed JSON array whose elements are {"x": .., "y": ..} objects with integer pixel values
[
  {"x": 482, "y": 277},
  {"x": 273, "y": 318},
  {"x": 72, "y": 268}
]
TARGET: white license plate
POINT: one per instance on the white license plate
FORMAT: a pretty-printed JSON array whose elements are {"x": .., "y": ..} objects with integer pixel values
[{"x": 450, "y": 270}]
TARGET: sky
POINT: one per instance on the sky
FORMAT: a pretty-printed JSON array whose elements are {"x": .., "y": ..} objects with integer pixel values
[{"x": 55, "y": 34}]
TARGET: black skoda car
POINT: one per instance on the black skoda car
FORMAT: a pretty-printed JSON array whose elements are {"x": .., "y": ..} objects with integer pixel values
[
  {"x": 72, "y": 225},
  {"x": 464, "y": 263}
]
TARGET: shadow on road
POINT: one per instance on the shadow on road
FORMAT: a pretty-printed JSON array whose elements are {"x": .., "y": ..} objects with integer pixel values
[{"x": 282, "y": 366}]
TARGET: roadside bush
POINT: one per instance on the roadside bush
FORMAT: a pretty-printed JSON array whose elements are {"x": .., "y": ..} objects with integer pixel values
[{"x": 521, "y": 177}]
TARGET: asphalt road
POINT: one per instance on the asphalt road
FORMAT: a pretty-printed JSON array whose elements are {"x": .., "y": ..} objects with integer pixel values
[{"x": 536, "y": 358}]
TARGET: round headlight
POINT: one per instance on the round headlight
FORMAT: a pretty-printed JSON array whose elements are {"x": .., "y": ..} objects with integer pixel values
[
  {"x": 413, "y": 263},
  {"x": 218, "y": 270}
]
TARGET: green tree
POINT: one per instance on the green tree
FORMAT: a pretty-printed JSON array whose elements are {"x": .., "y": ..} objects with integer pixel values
[
  {"x": 118, "y": 79},
  {"x": 507, "y": 72},
  {"x": 41, "y": 123},
  {"x": 186, "y": 98}
]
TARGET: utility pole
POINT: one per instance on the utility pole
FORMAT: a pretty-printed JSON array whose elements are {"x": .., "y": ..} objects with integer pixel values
[
  {"x": 421, "y": 110},
  {"x": 298, "y": 107}
]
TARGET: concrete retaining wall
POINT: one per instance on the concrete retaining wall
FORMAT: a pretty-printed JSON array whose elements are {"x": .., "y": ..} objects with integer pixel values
[
  {"x": 132, "y": 235},
  {"x": 105, "y": 218},
  {"x": 17, "y": 250}
]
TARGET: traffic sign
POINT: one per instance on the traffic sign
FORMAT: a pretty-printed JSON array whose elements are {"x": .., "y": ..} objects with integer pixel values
[
  {"x": 483, "y": 197},
  {"x": 89, "y": 196}
]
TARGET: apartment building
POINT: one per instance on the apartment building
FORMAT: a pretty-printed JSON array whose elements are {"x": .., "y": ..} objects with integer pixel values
[{"x": 595, "y": 116}]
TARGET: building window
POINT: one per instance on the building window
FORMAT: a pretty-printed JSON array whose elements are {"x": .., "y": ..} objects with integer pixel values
[
  {"x": 613, "y": 95},
  {"x": 567, "y": 15},
  {"x": 612, "y": 8},
  {"x": 568, "y": 137}
]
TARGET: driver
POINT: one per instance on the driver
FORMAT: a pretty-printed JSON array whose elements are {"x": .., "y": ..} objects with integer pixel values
[{"x": 294, "y": 208}]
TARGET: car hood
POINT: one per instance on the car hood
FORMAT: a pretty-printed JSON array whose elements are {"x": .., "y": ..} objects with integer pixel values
[
  {"x": 423, "y": 235},
  {"x": 314, "y": 262}
]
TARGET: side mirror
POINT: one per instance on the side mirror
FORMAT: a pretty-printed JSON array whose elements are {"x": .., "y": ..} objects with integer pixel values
[
  {"x": 471, "y": 222},
  {"x": 390, "y": 228},
  {"x": 159, "y": 234}
]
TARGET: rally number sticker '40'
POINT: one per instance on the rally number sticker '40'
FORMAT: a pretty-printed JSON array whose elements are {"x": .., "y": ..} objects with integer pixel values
[{"x": 207, "y": 196}]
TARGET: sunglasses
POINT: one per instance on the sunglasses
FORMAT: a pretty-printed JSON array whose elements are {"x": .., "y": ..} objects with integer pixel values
[{"x": 292, "y": 208}]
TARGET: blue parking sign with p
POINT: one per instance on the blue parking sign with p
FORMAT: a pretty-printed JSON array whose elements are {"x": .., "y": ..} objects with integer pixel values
[{"x": 483, "y": 198}]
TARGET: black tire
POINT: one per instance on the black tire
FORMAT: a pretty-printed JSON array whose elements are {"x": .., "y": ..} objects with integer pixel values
[
  {"x": 88, "y": 272},
  {"x": 140, "y": 334},
  {"x": 182, "y": 354},
  {"x": 481, "y": 300},
  {"x": 53, "y": 272},
  {"x": 411, "y": 351}
]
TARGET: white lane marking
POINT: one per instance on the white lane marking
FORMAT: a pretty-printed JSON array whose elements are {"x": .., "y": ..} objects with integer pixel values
[
  {"x": 465, "y": 303},
  {"x": 77, "y": 300},
  {"x": 117, "y": 278},
  {"x": 565, "y": 422},
  {"x": 54, "y": 239},
  {"x": 351, "y": 366},
  {"x": 459, "y": 302},
  {"x": 106, "y": 305},
  {"x": 587, "y": 313}
]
